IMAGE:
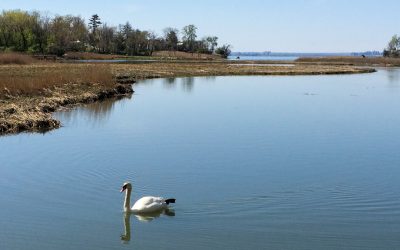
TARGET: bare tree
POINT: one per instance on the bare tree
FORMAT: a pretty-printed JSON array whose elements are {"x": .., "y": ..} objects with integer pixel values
[
  {"x": 106, "y": 38},
  {"x": 189, "y": 37},
  {"x": 213, "y": 43},
  {"x": 152, "y": 37}
]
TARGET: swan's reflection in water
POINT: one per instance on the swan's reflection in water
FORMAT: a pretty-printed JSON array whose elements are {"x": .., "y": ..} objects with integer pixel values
[{"x": 126, "y": 236}]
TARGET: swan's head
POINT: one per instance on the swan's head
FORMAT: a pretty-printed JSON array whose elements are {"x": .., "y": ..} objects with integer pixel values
[{"x": 126, "y": 186}]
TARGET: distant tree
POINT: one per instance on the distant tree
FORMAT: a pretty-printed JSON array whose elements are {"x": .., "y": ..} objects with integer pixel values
[
  {"x": 34, "y": 32},
  {"x": 171, "y": 38},
  {"x": 189, "y": 37},
  {"x": 94, "y": 22},
  {"x": 141, "y": 42},
  {"x": 203, "y": 46},
  {"x": 394, "y": 43},
  {"x": 127, "y": 33},
  {"x": 16, "y": 29},
  {"x": 106, "y": 38},
  {"x": 78, "y": 33},
  {"x": 224, "y": 50},
  {"x": 119, "y": 42},
  {"x": 126, "y": 29},
  {"x": 5, "y": 30},
  {"x": 393, "y": 47},
  {"x": 59, "y": 39},
  {"x": 212, "y": 43},
  {"x": 67, "y": 33},
  {"x": 152, "y": 39},
  {"x": 41, "y": 32}
]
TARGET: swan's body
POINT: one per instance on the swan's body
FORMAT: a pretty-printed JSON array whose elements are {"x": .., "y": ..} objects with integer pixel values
[{"x": 148, "y": 204}]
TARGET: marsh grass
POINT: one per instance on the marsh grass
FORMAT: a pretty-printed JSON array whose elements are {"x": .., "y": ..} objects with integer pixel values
[
  {"x": 15, "y": 58},
  {"x": 91, "y": 56},
  {"x": 351, "y": 60},
  {"x": 37, "y": 79},
  {"x": 184, "y": 55}
]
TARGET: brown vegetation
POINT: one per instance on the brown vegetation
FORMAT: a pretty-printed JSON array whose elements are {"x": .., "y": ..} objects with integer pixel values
[
  {"x": 139, "y": 71},
  {"x": 90, "y": 56},
  {"x": 29, "y": 93},
  {"x": 15, "y": 58},
  {"x": 352, "y": 60},
  {"x": 184, "y": 55},
  {"x": 39, "y": 79}
]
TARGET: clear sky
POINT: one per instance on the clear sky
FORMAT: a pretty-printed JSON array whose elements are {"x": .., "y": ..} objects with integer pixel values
[{"x": 251, "y": 25}]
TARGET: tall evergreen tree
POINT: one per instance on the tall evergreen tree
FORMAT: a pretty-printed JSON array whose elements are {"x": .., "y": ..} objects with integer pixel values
[{"x": 94, "y": 22}]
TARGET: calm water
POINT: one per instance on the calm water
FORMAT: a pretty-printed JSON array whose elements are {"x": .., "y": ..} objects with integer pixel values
[
  {"x": 264, "y": 58},
  {"x": 305, "y": 162}
]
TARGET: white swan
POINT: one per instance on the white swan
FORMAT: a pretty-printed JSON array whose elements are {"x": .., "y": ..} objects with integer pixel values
[{"x": 148, "y": 204}]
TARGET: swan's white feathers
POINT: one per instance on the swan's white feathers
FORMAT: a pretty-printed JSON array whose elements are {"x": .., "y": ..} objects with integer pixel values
[{"x": 149, "y": 204}]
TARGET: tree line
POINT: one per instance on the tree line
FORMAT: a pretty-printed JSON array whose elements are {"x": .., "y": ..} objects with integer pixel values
[
  {"x": 393, "y": 47},
  {"x": 33, "y": 32}
]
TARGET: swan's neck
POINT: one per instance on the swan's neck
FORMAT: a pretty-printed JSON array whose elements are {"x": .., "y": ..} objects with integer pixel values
[{"x": 127, "y": 203}]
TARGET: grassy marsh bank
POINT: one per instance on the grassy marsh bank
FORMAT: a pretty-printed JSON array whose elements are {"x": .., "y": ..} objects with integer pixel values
[
  {"x": 30, "y": 93},
  {"x": 160, "y": 69},
  {"x": 352, "y": 60}
]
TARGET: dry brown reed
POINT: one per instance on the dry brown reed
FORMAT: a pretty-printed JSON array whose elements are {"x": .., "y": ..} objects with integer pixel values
[
  {"x": 90, "y": 56},
  {"x": 15, "y": 58},
  {"x": 352, "y": 60},
  {"x": 35, "y": 80},
  {"x": 184, "y": 55}
]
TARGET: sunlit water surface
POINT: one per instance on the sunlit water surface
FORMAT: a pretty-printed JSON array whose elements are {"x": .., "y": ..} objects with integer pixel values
[{"x": 299, "y": 162}]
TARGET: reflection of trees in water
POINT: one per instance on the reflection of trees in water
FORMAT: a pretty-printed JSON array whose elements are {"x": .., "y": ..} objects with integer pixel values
[
  {"x": 146, "y": 82},
  {"x": 94, "y": 113},
  {"x": 394, "y": 77},
  {"x": 188, "y": 83},
  {"x": 169, "y": 83},
  {"x": 210, "y": 78}
]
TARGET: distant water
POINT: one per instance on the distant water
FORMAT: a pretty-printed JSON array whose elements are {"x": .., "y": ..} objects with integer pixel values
[
  {"x": 288, "y": 162},
  {"x": 274, "y": 56},
  {"x": 264, "y": 58}
]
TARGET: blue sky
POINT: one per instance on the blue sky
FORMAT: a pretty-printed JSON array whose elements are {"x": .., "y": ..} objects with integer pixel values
[{"x": 251, "y": 25}]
